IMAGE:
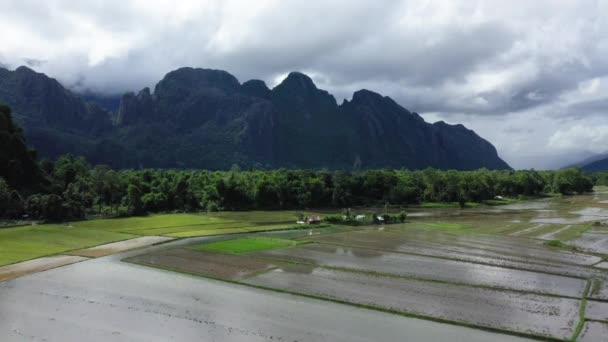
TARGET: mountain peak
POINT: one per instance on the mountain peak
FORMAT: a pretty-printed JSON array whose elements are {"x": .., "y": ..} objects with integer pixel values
[
  {"x": 297, "y": 80},
  {"x": 299, "y": 90},
  {"x": 24, "y": 69},
  {"x": 256, "y": 88},
  {"x": 197, "y": 78},
  {"x": 365, "y": 95}
]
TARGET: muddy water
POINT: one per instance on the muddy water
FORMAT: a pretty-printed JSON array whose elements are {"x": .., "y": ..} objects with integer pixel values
[
  {"x": 541, "y": 315},
  {"x": 108, "y": 300},
  {"x": 594, "y": 332},
  {"x": 428, "y": 268}
]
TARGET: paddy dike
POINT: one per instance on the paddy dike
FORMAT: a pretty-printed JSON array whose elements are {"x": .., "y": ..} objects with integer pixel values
[
  {"x": 513, "y": 311},
  {"x": 428, "y": 268},
  {"x": 120, "y": 246},
  {"x": 36, "y": 265}
]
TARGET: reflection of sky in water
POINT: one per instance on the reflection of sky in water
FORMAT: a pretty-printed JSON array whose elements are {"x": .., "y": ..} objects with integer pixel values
[
  {"x": 594, "y": 242},
  {"x": 527, "y": 205},
  {"x": 584, "y": 215}
]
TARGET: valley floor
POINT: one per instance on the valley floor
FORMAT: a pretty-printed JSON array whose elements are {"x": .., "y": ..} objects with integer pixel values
[{"x": 530, "y": 270}]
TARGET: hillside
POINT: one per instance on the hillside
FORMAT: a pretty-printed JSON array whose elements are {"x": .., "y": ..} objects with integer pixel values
[
  {"x": 202, "y": 118},
  {"x": 598, "y": 162},
  {"x": 598, "y": 165}
]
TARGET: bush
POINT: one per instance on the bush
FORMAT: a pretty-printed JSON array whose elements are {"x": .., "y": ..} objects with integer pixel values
[
  {"x": 334, "y": 218},
  {"x": 402, "y": 216}
]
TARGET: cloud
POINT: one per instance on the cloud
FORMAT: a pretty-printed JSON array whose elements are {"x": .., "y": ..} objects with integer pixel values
[
  {"x": 518, "y": 72},
  {"x": 595, "y": 138}
]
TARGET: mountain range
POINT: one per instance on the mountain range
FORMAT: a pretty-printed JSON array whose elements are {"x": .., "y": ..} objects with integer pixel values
[
  {"x": 207, "y": 119},
  {"x": 597, "y": 162}
]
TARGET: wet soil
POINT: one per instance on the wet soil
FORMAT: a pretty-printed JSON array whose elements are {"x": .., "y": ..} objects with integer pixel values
[{"x": 211, "y": 264}]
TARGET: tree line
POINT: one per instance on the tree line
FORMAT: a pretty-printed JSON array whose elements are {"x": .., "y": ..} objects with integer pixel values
[{"x": 72, "y": 189}]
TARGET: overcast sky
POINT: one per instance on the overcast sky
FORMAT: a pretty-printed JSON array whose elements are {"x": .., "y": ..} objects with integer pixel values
[{"x": 529, "y": 76}]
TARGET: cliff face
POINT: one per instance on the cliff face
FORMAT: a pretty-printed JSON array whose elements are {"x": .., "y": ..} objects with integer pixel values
[{"x": 202, "y": 118}]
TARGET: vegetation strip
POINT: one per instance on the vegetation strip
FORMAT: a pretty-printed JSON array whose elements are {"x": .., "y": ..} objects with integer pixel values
[
  {"x": 244, "y": 245},
  {"x": 581, "y": 322}
]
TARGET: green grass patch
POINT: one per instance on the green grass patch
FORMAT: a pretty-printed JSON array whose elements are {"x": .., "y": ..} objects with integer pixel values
[
  {"x": 25, "y": 243},
  {"x": 132, "y": 224},
  {"x": 179, "y": 229},
  {"x": 221, "y": 231},
  {"x": 206, "y": 232},
  {"x": 555, "y": 243},
  {"x": 499, "y": 201},
  {"x": 245, "y": 245},
  {"x": 560, "y": 245}
]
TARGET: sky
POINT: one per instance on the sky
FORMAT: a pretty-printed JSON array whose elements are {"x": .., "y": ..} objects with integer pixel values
[{"x": 531, "y": 77}]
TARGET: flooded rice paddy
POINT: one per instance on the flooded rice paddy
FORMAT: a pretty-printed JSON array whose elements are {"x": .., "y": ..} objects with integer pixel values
[
  {"x": 597, "y": 311},
  {"x": 526, "y": 271},
  {"x": 519, "y": 312},
  {"x": 422, "y": 267},
  {"x": 105, "y": 299},
  {"x": 594, "y": 332}
]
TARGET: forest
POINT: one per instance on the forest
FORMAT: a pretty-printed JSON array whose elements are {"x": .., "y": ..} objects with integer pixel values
[
  {"x": 72, "y": 189},
  {"x": 69, "y": 188}
]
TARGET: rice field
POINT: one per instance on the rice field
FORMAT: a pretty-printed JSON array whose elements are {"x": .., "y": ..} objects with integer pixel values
[
  {"x": 533, "y": 269},
  {"x": 29, "y": 242}
]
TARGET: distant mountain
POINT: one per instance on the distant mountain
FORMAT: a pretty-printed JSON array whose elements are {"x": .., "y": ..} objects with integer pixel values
[
  {"x": 202, "y": 118},
  {"x": 598, "y": 162},
  {"x": 598, "y": 165}
]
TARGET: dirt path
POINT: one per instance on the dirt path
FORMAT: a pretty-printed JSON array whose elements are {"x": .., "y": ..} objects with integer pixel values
[
  {"x": 121, "y": 246},
  {"x": 37, "y": 265},
  {"x": 46, "y": 263}
]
